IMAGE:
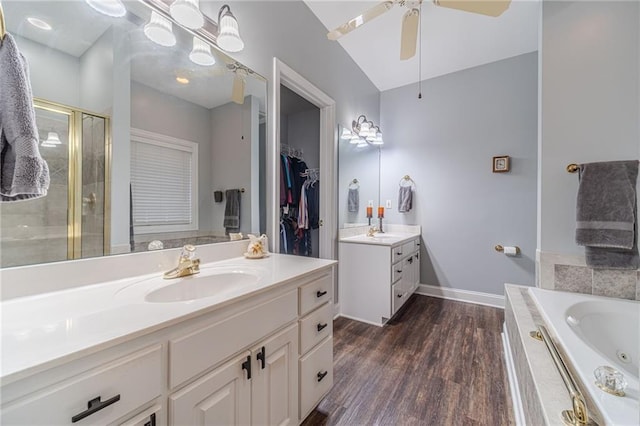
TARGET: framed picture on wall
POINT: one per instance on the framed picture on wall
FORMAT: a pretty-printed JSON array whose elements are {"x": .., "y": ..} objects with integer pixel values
[{"x": 501, "y": 164}]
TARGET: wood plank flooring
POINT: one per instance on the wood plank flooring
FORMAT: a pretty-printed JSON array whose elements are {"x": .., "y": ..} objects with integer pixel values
[{"x": 439, "y": 362}]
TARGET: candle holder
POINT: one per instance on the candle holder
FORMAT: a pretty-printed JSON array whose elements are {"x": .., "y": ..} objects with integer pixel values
[{"x": 369, "y": 214}]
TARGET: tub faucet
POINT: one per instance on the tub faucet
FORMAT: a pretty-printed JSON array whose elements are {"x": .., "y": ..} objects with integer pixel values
[{"x": 188, "y": 264}]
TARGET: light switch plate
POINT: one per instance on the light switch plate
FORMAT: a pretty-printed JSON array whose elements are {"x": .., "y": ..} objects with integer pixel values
[{"x": 388, "y": 205}]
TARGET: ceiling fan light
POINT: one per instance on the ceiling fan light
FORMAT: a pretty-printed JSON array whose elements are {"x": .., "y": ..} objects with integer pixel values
[
  {"x": 201, "y": 53},
  {"x": 113, "y": 8},
  {"x": 187, "y": 13},
  {"x": 159, "y": 30},
  {"x": 228, "y": 34}
]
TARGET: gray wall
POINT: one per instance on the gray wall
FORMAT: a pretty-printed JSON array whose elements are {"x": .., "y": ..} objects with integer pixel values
[
  {"x": 54, "y": 74},
  {"x": 446, "y": 142},
  {"x": 171, "y": 116},
  {"x": 231, "y": 151},
  {"x": 96, "y": 75},
  {"x": 590, "y": 103},
  {"x": 290, "y": 31}
]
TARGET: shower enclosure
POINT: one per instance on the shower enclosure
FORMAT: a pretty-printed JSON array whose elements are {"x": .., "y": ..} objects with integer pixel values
[{"x": 72, "y": 221}]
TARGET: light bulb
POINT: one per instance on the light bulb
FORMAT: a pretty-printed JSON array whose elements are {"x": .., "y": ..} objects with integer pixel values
[{"x": 187, "y": 12}]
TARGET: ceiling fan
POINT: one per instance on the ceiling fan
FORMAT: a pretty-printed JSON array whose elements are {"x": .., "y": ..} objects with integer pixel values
[{"x": 411, "y": 18}]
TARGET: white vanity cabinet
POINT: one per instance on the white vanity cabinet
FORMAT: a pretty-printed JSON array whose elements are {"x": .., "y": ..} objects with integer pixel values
[
  {"x": 246, "y": 362},
  {"x": 377, "y": 276}
]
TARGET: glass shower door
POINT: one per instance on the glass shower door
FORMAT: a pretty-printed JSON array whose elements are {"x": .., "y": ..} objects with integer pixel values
[{"x": 36, "y": 231}]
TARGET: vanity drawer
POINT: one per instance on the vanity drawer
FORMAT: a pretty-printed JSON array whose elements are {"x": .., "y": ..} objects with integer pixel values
[
  {"x": 315, "y": 293},
  {"x": 316, "y": 376},
  {"x": 315, "y": 327},
  {"x": 398, "y": 296},
  {"x": 396, "y": 254},
  {"x": 397, "y": 272},
  {"x": 195, "y": 352},
  {"x": 130, "y": 382}
]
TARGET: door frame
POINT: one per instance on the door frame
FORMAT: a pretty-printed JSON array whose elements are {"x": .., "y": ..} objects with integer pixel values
[{"x": 285, "y": 75}]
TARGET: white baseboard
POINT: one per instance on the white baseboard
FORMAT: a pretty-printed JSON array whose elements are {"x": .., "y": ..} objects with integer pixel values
[
  {"x": 336, "y": 310},
  {"x": 468, "y": 296},
  {"x": 360, "y": 320},
  {"x": 518, "y": 411}
]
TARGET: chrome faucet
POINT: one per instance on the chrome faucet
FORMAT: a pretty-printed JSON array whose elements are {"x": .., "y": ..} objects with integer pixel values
[
  {"x": 188, "y": 264},
  {"x": 371, "y": 232}
]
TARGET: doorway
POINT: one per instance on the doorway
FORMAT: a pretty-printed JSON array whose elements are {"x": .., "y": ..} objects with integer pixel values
[{"x": 287, "y": 80}]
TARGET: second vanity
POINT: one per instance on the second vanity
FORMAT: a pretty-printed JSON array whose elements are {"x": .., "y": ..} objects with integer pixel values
[
  {"x": 133, "y": 352},
  {"x": 378, "y": 273}
]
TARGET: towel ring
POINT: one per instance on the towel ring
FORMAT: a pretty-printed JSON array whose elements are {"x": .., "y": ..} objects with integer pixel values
[
  {"x": 2, "y": 24},
  {"x": 406, "y": 178},
  {"x": 354, "y": 184}
]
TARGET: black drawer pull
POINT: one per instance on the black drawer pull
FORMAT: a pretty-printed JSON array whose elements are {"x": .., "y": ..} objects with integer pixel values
[
  {"x": 398, "y": 270},
  {"x": 411, "y": 260},
  {"x": 247, "y": 366},
  {"x": 152, "y": 420},
  {"x": 399, "y": 295},
  {"x": 262, "y": 357},
  {"x": 94, "y": 406},
  {"x": 398, "y": 253},
  {"x": 322, "y": 375},
  {"x": 322, "y": 326},
  {"x": 320, "y": 293}
]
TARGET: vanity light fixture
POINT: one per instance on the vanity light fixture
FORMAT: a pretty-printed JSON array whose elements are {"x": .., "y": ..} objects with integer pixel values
[
  {"x": 228, "y": 34},
  {"x": 52, "y": 141},
  {"x": 159, "y": 30},
  {"x": 187, "y": 13},
  {"x": 363, "y": 132},
  {"x": 39, "y": 23},
  {"x": 201, "y": 53},
  {"x": 113, "y": 8}
]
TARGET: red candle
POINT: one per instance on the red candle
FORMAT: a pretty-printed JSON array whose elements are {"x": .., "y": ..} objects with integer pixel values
[
  {"x": 369, "y": 211},
  {"x": 380, "y": 211}
]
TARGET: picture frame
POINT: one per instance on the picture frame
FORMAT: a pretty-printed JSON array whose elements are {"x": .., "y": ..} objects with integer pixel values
[{"x": 501, "y": 164}]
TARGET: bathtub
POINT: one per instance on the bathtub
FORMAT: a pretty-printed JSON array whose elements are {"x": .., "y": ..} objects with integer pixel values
[{"x": 595, "y": 331}]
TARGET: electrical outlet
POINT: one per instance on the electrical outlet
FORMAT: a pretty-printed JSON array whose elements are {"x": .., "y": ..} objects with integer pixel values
[
  {"x": 370, "y": 203},
  {"x": 388, "y": 205}
]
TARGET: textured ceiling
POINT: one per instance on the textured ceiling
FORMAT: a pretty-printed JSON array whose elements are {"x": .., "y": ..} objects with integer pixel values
[{"x": 452, "y": 40}]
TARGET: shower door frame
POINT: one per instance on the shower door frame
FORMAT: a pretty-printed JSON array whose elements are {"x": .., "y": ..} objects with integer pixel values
[{"x": 74, "y": 180}]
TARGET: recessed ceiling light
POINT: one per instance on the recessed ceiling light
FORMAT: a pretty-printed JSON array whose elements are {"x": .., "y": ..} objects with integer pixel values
[
  {"x": 113, "y": 8},
  {"x": 39, "y": 23},
  {"x": 182, "y": 80}
]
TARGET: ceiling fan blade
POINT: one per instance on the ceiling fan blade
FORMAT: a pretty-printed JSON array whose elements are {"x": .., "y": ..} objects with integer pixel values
[
  {"x": 237, "y": 93},
  {"x": 483, "y": 7},
  {"x": 367, "y": 16},
  {"x": 409, "y": 36}
]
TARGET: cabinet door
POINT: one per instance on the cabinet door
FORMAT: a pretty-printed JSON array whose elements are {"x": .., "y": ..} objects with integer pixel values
[
  {"x": 222, "y": 397},
  {"x": 416, "y": 270},
  {"x": 149, "y": 417},
  {"x": 274, "y": 391}
]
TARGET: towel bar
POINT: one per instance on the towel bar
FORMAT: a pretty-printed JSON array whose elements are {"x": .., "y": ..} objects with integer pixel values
[{"x": 572, "y": 168}]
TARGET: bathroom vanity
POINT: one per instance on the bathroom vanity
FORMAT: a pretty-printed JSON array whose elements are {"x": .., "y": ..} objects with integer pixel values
[
  {"x": 148, "y": 351},
  {"x": 378, "y": 273}
]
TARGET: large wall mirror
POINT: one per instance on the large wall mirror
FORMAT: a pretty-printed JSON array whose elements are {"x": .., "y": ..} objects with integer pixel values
[{"x": 145, "y": 142}]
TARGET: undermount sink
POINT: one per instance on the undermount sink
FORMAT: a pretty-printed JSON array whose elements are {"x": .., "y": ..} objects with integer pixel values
[{"x": 201, "y": 286}]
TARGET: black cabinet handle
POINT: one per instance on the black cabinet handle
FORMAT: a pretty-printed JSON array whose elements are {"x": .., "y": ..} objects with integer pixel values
[
  {"x": 322, "y": 326},
  {"x": 399, "y": 295},
  {"x": 417, "y": 256},
  {"x": 398, "y": 270},
  {"x": 93, "y": 406},
  {"x": 322, "y": 375},
  {"x": 152, "y": 420},
  {"x": 398, "y": 253},
  {"x": 247, "y": 366},
  {"x": 320, "y": 293},
  {"x": 411, "y": 260},
  {"x": 261, "y": 357}
]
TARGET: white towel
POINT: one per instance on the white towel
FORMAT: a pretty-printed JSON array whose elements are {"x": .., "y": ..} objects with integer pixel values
[{"x": 24, "y": 174}]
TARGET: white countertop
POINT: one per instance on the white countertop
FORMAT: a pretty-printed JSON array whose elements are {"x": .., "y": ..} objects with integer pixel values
[
  {"x": 49, "y": 329},
  {"x": 384, "y": 239}
]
